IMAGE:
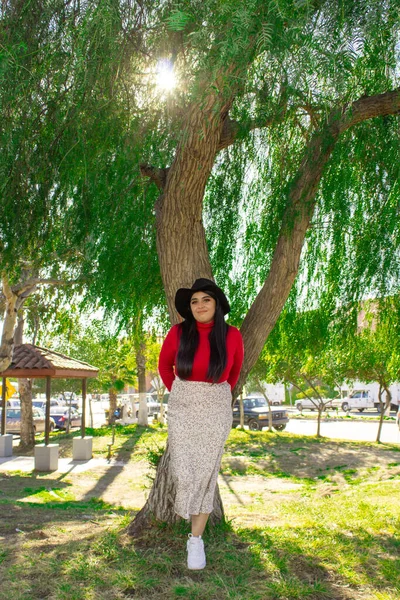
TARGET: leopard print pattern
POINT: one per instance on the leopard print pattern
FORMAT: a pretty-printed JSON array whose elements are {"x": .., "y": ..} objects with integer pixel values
[{"x": 199, "y": 422}]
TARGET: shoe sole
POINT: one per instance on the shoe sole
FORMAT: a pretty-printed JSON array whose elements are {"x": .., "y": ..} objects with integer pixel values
[{"x": 197, "y": 568}]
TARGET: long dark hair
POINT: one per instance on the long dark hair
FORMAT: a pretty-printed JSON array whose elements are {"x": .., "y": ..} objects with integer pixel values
[{"x": 189, "y": 341}]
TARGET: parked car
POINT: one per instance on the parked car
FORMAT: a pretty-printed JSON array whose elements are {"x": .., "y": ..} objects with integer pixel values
[
  {"x": 153, "y": 407},
  {"x": 61, "y": 414},
  {"x": 42, "y": 403},
  {"x": 256, "y": 414},
  {"x": 359, "y": 399},
  {"x": 13, "y": 403},
  {"x": 13, "y": 420},
  {"x": 312, "y": 404},
  {"x": 69, "y": 398}
]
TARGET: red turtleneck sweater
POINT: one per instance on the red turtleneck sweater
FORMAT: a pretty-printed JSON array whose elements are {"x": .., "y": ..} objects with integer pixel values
[{"x": 169, "y": 350}]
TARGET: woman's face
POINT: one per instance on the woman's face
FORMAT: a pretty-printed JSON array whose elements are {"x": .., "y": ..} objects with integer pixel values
[{"x": 203, "y": 307}]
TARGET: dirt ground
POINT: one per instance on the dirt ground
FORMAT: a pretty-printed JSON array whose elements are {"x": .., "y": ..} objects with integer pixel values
[{"x": 246, "y": 482}]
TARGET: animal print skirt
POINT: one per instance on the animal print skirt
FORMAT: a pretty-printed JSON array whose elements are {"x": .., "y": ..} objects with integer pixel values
[{"x": 199, "y": 421}]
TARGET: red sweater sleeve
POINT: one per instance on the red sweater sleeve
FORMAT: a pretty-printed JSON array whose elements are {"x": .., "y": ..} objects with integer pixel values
[
  {"x": 237, "y": 359},
  {"x": 166, "y": 361}
]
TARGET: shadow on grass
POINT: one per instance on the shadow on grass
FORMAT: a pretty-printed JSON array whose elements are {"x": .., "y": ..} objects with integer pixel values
[
  {"x": 123, "y": 453},
  {"x": 301, "y": 457},
  {"x": 250, "y": 564}
]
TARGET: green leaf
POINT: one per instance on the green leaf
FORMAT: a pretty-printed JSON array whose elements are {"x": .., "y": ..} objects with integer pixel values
[{"x": 178, "y": 20}]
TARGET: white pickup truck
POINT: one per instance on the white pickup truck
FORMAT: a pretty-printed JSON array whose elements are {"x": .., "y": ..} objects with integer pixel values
[
  {"x": 358, "y": 400},
  {"x": 313, "y": 404},
  {"x": 362, "y": 399}
]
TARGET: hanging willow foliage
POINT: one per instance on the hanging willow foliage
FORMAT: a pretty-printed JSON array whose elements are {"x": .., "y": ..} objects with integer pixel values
[{"x": 81, "y": 113}]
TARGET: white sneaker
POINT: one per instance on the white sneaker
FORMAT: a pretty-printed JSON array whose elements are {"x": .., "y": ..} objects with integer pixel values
[{"x": 196, "y": 556}]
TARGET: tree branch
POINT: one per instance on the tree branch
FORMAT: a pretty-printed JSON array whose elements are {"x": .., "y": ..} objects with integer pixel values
[
  {"x": 10, "y": 317},
  {"x": 158, "y": 176},
  {"x": 267, "y": 306},
  {"x": 24, "y": 286},
  {"x": 368, "y": 107},
  {"x": 360, "y": 110},
  {"x": 231, "y": 128}
]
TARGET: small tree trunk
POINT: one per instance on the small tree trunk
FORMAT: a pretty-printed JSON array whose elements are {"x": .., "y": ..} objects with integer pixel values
[
  {"x": 241, "y": 411},
  {"x": 160, "y": 503},
  {"x": 141, "y": 370},
  {"x": 9, "y": 320},
  {"x": 91, "y": 411},
  {"x": 27, "y": 430},
  {"x": 383, "y": 407},
  {"x": 262, "y": 390},
  {"x": 388, "y": 401},
  {"x": 112, "y": 394},
  {"x": 162, "y": 411},
  {"x": 27, "y": 439},
  {"x": 269, "y": 416},
  {"x": 68, "y": 425},
  {"x": 378, "y": 435},
  {"x": 319, "y": 421}
]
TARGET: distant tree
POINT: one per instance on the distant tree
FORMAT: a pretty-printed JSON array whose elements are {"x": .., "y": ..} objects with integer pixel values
[
  {"x": 114, "y": 356},
  {"x": 153, "y": 348},
  {"x": 299, "y": 352},
  {"x": 255, "y": 381},
  {"x": 374, "y": 351}
]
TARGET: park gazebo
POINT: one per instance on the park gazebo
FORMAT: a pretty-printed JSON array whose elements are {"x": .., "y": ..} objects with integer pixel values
[{"x": 33, "y": 362}]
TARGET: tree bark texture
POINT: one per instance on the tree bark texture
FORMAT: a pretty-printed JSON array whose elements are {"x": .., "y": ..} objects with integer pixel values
[
  {"x": 384, "y": 406},
  {"x": 10, "y": 318},
  {"x": 112, "y": 395},
  {"x": 27, "y": 427},
  {"x": 181, "y": 241},
  {"x": 319, "y": 422},
  {"x": 15, "y": 297},
  {"x": 27, "y": 439},
  {"x": 160, "y": 503}
]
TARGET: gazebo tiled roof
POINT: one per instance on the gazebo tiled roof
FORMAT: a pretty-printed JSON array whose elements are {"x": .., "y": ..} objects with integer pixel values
[{"x": 33, "y": 361}]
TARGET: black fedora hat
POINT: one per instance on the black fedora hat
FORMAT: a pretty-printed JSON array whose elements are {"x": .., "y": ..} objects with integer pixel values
[{"x": 183, "y": 295}]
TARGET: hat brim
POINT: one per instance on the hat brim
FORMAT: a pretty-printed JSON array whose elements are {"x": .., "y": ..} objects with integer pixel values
[{"x": 183, "y": 296}]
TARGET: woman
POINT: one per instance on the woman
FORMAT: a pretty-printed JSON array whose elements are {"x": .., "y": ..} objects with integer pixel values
[{"x": 199, "y": 363}]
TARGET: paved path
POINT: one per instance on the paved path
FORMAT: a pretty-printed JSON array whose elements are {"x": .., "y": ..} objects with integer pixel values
[
  {"x": 65, "y": 465},
  {"x": 351, "y": 430}
]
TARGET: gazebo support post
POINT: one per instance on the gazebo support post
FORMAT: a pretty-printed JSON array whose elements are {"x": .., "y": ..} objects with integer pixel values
[
  {"x": 83, "y": 426},
  {"x": 46, "y": 455},
  {"x": 3, "y": 407},
  {"x": 82, "y": 448},
  {"x": 47, "y": 424},
  {"x": 6, "y": 440}
]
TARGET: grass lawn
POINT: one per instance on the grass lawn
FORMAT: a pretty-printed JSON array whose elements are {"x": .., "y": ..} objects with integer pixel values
[{"x": 306, "y": 519}]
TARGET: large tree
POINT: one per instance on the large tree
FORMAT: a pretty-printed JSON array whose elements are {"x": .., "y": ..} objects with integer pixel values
[{"x": 279, "y": 143}]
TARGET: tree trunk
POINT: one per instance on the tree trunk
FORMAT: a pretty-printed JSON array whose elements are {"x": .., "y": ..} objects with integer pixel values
[
  {"x": 181, "y": 243},
  {"x": 91, "y": 410},
  {"x": 262, "y": 390},
  {"x": 112, "y": 394},
  {"x": 27, "y": 429},
  {"x": 241, "y": 411},
  {"x": 141, "y": 371},
  {"x": 9, "y": 320},
  {"x": 383, "y": 407},
  {"x": 27, "y": 439},
  {"x": 160, "y": 503},
  {"x": 160, "y": 397},
  {"x": 319, "y": 423}
]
